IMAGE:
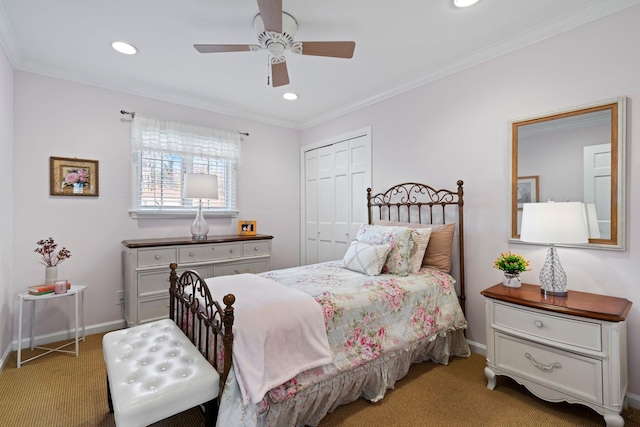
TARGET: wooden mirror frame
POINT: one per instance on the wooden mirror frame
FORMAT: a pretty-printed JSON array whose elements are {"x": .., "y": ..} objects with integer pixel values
[{"x": 617, "y": 107}]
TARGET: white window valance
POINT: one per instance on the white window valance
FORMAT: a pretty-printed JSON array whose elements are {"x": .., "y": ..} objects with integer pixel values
[{"x": 150, "y": 133}]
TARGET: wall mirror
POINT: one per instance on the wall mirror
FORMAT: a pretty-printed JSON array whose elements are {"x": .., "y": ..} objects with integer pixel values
[{"x": 573, "y": 155}]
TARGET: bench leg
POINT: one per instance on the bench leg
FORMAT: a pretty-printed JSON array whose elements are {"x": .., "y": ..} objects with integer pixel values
[
  {"x": 211, "y": 413},
  {"x": 109, "y": 396}
]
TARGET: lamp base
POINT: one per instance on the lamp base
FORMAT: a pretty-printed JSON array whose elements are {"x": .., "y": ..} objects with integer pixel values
[
  {"x": 199, "y": 228},
  {"x": 553, "y": 279},
  {"x": 553, "y": 293}
]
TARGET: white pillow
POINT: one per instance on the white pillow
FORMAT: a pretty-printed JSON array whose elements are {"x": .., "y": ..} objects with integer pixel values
[
  {"x": 420, "y": 241},
  {"x": 365, "y": 258}
]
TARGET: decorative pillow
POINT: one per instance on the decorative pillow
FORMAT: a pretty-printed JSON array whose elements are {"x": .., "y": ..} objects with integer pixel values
[
  {"x": 400, "y": 239},
  {"x": 438, "y": 253},
  {"x": 365, "y": 258},
  {"x": 420, "y": 241}
]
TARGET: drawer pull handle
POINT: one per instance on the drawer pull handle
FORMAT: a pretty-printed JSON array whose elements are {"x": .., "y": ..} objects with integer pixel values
[
  {"x": 157, "y": 257},
  {"x": 191, "y": 254},
  {"x": 237, "y": 272},
  {"x": 540, "y": 365},
  {"x": 538, "y": 323}
]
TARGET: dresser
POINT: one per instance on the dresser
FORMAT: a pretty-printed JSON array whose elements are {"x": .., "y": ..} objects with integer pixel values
[
  {"x": 146, "y": 267},
  {"x": 571, "y": 348}
]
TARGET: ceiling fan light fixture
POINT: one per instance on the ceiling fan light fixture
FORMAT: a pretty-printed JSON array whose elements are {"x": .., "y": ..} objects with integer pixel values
[
  {"x": 290, "y": 96},
  {"x": 124, "y": 47},
  {"x": 464, "y": 3}
]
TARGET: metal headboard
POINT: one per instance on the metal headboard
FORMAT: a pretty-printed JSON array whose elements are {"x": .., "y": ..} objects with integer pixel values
[{"x": 424, "y": 204}]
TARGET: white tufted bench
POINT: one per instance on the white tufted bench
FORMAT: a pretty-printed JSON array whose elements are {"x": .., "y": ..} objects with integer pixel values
[{"x": 154, "y": 372}]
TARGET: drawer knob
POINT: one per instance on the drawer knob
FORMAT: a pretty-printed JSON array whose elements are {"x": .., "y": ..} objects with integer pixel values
[
  {"x": 157, "y": 257},
  {"x": 191, "y": 254},
  {"x": 232, "y": 250},
  {"x": 540, "y": 365},
  {"x": 255, "y": 249},
  {"x": 538, "y": 323}
]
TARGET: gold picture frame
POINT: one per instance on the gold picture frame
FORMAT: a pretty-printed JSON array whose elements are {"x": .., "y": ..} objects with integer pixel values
[
  {"x": 73, "y": 177},
  {"x": 247, "y": 228}
]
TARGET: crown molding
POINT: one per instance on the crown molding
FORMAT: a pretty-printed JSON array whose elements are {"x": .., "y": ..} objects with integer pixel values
[
  {"x": 526, "y": 38},
  {"x": 557, "y": 26}
]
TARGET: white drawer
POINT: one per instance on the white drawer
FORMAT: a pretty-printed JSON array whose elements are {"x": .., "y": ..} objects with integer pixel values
[
  {"x": 156, "y": 256},
  {"x": 576, "y": 375},
  {"x": 240, "y": 268},
  {"x": 256, "y": 248},
  {"x": 156, "y": 283},
  {"x": 155, "y": 309},
  {"x": 199, "y": 253},
  {"x": 567, "y": 331}
]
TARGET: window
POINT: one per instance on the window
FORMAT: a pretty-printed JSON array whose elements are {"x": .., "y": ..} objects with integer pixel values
[{"x": 163, "y": 151}]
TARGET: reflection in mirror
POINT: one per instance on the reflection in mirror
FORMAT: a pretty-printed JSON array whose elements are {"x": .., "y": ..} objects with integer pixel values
[{"x": 574, "y": 155}]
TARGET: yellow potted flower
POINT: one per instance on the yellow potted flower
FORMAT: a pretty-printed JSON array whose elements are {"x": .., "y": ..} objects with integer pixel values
[{"x": 512, "y": 265}]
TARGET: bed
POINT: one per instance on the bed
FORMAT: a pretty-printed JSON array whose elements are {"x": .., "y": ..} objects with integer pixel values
[{"x": 384, "y": 306}]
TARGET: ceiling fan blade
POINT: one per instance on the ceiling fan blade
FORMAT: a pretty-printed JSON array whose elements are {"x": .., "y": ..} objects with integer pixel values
[
  {"x": 333, "y": 49},
  {"x": 279, "y": 74},
  {"x": 215, "y": 48},
  {"x": 271, "y": 14}
]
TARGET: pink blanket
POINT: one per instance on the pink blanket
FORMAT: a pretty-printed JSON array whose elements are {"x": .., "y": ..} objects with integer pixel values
[{"x": 278, "y": 332}]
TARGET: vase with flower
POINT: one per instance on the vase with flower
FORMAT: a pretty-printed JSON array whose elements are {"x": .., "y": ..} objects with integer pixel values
[
  {"x": 50, "y": 258},
  {"x": 512, "y": 265}
]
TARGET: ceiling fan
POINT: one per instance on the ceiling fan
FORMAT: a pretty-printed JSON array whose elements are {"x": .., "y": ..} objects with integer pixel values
[{"x": 276, "y": 30}]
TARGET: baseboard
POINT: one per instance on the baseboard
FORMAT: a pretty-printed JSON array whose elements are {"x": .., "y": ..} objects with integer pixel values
[
  {"x": 477, "y": 347},
  {"x": 633, "y": 400},
  {"x": 70, "y": 334},
  {"x": 5, "y": 356}
]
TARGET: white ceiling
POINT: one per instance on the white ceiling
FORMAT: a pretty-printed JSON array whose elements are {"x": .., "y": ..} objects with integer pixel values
[{"x": 399, "y": 45}]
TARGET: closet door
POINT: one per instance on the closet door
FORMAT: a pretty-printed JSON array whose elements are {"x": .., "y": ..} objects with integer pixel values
[{"x": 336, "y": 177}]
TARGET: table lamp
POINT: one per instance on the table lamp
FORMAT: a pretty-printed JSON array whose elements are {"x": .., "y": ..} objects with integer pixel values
[
  {"x": 200, "y": 186},
  {"x": 553, "y": 223}
]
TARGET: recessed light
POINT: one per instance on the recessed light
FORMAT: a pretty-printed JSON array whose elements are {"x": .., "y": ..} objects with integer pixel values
[
  {"x": 124, "y": 47},
  {"x": 464, "y": 3},
  {"x": 290, "y": 96}
]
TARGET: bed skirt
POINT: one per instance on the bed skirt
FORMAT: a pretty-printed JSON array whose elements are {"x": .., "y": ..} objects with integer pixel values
[{"x": 371, "y": 381}]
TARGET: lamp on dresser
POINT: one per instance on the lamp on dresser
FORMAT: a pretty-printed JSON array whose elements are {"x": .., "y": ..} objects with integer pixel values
[
  {"x": 200, "y": 186},
  {"x": 553, "y": 223}
]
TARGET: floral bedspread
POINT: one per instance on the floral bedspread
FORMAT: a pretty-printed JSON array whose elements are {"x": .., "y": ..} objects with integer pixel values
[{"x": 365, "y": 316}]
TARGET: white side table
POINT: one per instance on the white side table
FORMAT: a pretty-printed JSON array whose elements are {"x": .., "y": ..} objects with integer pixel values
[{"x": 75, "y": 290}]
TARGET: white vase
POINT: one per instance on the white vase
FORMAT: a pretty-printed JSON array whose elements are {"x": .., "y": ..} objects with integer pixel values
[
  {"x": 511, "y": 280},
  {"x": 50, "y": 275}
]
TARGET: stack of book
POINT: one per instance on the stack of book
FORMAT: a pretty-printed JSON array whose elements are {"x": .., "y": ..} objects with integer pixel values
[{"x": 44, "y": 289}]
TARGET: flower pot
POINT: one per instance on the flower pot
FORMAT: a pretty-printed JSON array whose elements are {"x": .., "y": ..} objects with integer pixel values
[
  {"x": 50, "y": 275},
  {"x": 511, "y": 280}
]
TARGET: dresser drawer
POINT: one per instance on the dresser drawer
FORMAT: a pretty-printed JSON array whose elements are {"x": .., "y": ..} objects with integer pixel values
[
  {"x": 253, "y": 267},
  {"x": 150, "y": 257},
  {"x": 150, "y": 284},
  {"x": 256, "y": 248},
  {"x": 563, "y": 330},
  {"x": 202, "y": 253},
  {"x": 154, "y": 309},
  {"x": 573, "y": 374}
]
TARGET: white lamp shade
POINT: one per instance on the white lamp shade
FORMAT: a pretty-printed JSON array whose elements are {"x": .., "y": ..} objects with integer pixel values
[
  {"x": 561, "y": 222},
  {"x": 200, "y": 186}
]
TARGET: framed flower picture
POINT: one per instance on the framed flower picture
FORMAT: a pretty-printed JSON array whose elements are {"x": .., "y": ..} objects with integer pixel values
[
  {"x": 247, "y": 228},
  {"x": 73, "y": 177}
]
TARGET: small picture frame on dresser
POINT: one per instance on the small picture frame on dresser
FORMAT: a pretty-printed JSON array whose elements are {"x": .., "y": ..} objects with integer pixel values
[{"x": 246, "y": 228}]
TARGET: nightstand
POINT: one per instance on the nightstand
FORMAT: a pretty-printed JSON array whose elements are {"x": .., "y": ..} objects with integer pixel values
[{"x": 571, "y": 348}]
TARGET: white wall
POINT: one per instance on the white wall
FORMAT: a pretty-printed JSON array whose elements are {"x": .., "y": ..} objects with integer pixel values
[
  {"x": 59, "y": 118},
  {"x": 457, "y": 128},
  {"x": 6, "y": 201}
]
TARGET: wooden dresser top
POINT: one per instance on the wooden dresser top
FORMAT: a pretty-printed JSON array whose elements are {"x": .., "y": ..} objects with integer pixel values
[
  {"x": 173, "y": 241},
  {"x": 576, "y": 303}
]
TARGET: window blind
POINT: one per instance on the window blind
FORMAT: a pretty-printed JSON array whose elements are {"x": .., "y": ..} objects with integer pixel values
[{"x": 163, "y": 151}]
